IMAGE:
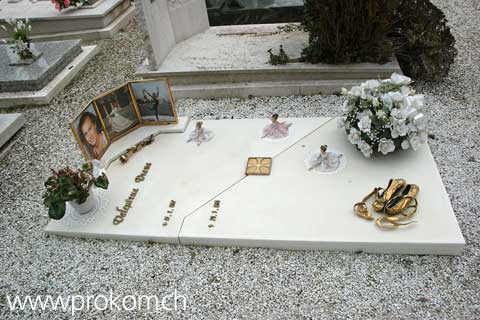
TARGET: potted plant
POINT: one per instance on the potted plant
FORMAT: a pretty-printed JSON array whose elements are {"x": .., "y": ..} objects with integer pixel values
[
  {"x": 20, "y": 42},
  {"x": 73, "y": 186}
]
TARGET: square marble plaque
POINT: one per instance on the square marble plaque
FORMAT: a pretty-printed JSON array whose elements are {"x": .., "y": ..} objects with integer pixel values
[{"x": 258, "y": 166}]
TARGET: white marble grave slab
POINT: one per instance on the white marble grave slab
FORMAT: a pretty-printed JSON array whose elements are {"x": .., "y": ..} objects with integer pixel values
[
  {"x": 294, "y": 208},
  {"x": 291, "y": 209},
  {"x": 189, "y": 174}
]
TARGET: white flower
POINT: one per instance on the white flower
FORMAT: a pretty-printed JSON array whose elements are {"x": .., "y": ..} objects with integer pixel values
[
  {"x": 375, "y": 102},
  {"x": 420, "y": 121},
  {"x": 386, "y": 146},
  {"x": 357, "y": 91},
  {"x": 341, "y": 122},
  {"x": 406, "y": 91},
  {"x": 405, "y": 144},
  {"x": 354, "y": 136},
  {"x": 365, "y": 148},
  {"x": 417, "y": 101},
  {"x": 380, "y": 114},
  {"x": 365, "y": 124},
  {"x": 397, "y": 97},
  {"x": 400, "y": 129},
  {"x": 371, "y": 84},
  {"x": 410, "y": 112},
  {"x": 347, "y": 106},
  {"x": 399, "y": 79},
  {"x": 414, "y": 140},
  {"x": 344, "y": 92},
  {"x": 365, "y": 113},
  {"x": 387, "y": 100},
  {"x": 412, "y": 127},
  {"x": 398, "y": 114}
]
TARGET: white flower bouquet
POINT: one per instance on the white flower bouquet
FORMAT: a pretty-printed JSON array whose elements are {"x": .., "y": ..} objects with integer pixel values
[
  {"x": 384, "y": 116},
  {"x": 20, "y": 39}
]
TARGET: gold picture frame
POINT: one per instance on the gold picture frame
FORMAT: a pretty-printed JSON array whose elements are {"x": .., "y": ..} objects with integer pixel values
[
  {"x": 147, "y": 101},
  {"x": 108, "y": 103},
  {"x": 89, "y": 152}
]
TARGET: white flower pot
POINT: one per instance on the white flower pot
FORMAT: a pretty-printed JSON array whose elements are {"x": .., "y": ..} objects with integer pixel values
[{"x": 85, "y": 207}]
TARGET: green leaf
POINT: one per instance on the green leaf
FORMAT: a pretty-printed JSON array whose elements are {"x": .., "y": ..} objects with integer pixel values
[
  {"x": 65, "y": 181},
  {"x": 57, "y": 211},
  {"x": 102, "y": 182},
  {"x": 87, "y": 166},
  {"x": 50, "y": 182}
]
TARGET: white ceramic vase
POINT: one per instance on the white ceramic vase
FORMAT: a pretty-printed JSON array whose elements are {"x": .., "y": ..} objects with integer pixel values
[{"x": 85, "y": 207}]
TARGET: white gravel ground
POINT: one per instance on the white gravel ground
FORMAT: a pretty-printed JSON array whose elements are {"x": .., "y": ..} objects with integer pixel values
[{"x": 235, "y": 283}]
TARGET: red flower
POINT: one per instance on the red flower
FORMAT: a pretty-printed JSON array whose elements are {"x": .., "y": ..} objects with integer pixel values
[
  {"x": 57, "y": 6},
  {"x": 66, "y": 3}
]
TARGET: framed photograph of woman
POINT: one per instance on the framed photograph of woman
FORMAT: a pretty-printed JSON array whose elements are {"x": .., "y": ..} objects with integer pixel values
[
  {"x": 117, "y": 112},
  {"x": 154, "y": 101},
  {"x": 89, "y": 132}
]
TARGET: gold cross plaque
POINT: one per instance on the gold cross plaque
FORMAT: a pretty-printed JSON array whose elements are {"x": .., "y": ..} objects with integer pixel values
[{"x": 258, "y": 166}]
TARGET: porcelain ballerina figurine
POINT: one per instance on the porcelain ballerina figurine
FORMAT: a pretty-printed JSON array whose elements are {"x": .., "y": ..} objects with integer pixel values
[
  {"x": 276, "y": 129},
  {"x": 200, "y": 135},
  {"x": 324, "y": 161}
]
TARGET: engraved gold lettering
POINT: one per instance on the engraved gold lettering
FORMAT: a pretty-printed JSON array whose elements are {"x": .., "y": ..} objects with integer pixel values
[{"x": 124, "y": 210}]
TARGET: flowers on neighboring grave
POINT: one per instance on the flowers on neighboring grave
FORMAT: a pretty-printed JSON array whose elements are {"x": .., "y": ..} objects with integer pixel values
[
  {"x": 19, "y": 34},
  {"x": 64, "y": 4},
  {"x": 384, "y": 116}
]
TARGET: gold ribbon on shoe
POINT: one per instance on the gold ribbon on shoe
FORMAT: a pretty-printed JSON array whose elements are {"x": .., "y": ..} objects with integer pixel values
[
  {"x": 391, "y": 222},
  {"x": 361, "y": 209}
]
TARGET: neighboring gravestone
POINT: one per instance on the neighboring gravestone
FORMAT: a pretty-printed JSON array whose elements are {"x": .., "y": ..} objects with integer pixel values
[
  {"x": 38, "y": 82},
  {"x": 167, "y": 22},
  {"x": 101, "y": 19},
  {"x": 56, "y": 55},
  {"x": 188, "y": 18},
  {"x": 154, "y": 21},
  {"x": 9, "y": 125}
]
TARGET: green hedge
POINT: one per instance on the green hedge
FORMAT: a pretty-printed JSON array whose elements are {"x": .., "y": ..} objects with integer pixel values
[
  {"x": 426, "y": 47},
  {"x": 349, "y": 31}
]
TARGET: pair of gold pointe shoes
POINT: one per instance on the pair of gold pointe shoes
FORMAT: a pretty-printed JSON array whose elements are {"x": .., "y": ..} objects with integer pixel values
[{"x": 398, "y": 201}]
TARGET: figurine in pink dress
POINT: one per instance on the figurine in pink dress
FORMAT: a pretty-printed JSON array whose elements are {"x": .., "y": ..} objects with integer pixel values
[
  {"x": 276, "y": 129},
  {"x": 200, "y": 135}
]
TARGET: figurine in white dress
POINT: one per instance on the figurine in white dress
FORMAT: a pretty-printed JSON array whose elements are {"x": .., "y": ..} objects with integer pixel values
[
  {"x": 200, "y": 134},
  {"x": 276, "y": 129},
  {"x": 324, "y": 161}
]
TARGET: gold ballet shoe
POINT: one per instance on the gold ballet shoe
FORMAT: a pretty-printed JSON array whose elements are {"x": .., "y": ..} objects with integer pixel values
[
  {"x": 401, "y": 202},
  {"x": 361, "y": 209},
  {"x": 393, "y": 187}
]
